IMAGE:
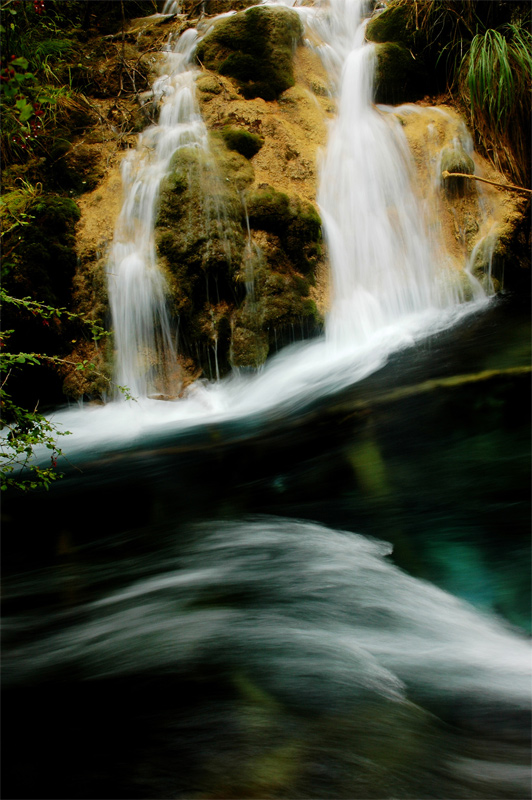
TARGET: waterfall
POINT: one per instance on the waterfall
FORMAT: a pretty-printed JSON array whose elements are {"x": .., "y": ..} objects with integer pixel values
[
  {"x": 384, "y": 264},
  {"x": 390, "y": 282},
  {"x": 144, "y": 349}
]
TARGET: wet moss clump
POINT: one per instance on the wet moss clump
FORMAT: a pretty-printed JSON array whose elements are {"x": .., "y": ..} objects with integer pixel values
[
  {"x": 255, "y": 47},
  {"x": 399, "y": 77},
  {"x": 246, "y": 143},
  {"x": 239, "y": 293},
  {"x": 392, "y": 25},
  {"x": 199, "y": 242},
  {"x": 295, "y": 221}
]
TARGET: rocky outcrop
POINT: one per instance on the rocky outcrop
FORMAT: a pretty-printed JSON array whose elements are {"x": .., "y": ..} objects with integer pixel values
[{"x": 470, "y": 220}]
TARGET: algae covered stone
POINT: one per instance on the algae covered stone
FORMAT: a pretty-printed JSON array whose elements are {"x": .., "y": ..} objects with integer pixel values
[
  {"x": 295, "y": 221},
  {"x": 399, "y": 77},
  {"x": 401, "y": 74},
  {"x": 393, "y": 24},
  {"x": 255, "y": 47},
  {"x": 246, "y": 143}
]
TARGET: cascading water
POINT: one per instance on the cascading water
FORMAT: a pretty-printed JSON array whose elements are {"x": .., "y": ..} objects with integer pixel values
[
  {"x": 144, "y": 351},
  {"x": 386, "y": 270},
  {"x": 390, "y": 282},
  {"x": 384, "y": 265}
]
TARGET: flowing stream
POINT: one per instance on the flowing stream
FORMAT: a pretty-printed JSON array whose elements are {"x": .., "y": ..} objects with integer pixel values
[
  {"x": 175, "y": 627},
  {"x": 143, "y": 340}
]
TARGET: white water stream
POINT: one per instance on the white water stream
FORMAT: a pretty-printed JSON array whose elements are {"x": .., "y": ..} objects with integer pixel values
[
  {"x": 389, "y": 282},
  {"x": 143, "y": 339}
]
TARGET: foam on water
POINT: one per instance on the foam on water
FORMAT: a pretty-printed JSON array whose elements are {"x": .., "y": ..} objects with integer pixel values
[{"x": 316, "y": 625}]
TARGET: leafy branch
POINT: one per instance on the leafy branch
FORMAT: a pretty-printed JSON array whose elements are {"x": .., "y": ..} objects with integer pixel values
[{"x": 23, "y": 430}]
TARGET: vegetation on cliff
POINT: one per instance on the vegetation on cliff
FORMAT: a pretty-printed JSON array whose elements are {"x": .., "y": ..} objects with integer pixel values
[{"x": 479, "y": 52}]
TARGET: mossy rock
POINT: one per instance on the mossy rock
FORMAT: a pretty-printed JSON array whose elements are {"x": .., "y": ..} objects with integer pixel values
[
  {"x": 455, "y": 159},
  {"x": 394, "y": 24},
  {"x": 295, "y": 221},
  {"x": 278, "y": 313},
  {"x": 255, "y": 47},
  {"x": 209, "y": 85},
  {"x": 201, "y": 235},
  {"x": 199, "y": 241},
  {"x": 246, "y": 143},
  {"x": 249, "y": 348},
  {"x": 399, "y": 77}
]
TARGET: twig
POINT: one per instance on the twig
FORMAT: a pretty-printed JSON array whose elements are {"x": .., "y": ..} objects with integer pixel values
[{"x": 446, "y": 174}]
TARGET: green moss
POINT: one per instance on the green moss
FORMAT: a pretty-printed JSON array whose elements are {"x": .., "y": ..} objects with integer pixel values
[
  {"x": 208, "y": 84},
  {"x": 399, "y": 77},
  {"x": 246, "y": 143},
  {"x": 249, "y": 348},
  {"x": 201, "y": 235},
  {"x": 295, "y": 221},
  {"x": 255, "y": 47},
  {"x": 199, "y": 241},
  {"x": 392, "y": 25},
  {"x": 269, "y": 210}
]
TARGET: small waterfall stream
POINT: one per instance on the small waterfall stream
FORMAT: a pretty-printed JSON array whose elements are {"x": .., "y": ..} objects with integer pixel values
[
  {"x": 384, "y": 265},
  {"x": 144, "y": 348}
]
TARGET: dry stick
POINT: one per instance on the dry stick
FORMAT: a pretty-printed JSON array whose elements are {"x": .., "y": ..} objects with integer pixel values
[{"x": 446, "y": 174}]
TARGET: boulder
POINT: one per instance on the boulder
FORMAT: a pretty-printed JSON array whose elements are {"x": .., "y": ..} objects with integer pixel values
[{"x": 255, "y": 48}]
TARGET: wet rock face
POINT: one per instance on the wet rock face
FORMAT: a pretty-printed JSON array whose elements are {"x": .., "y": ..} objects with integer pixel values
[
  {"x": 399, "y": 78},
  {"x": 255, "y": 47},
  {"x": 239, "y": 261},
  {"x": 237, "y": 233},
  {"x": 455, "y": 159},
  {"x": 401, "y": 72}
]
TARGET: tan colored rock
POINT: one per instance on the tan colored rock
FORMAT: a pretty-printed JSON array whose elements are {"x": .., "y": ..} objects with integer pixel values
[{"x": 469, "y": 225}]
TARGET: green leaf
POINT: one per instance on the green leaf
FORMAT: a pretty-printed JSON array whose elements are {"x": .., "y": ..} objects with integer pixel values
[
  {"x": 24, "y": 109},
  {"x": 20, "y": 62}
]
